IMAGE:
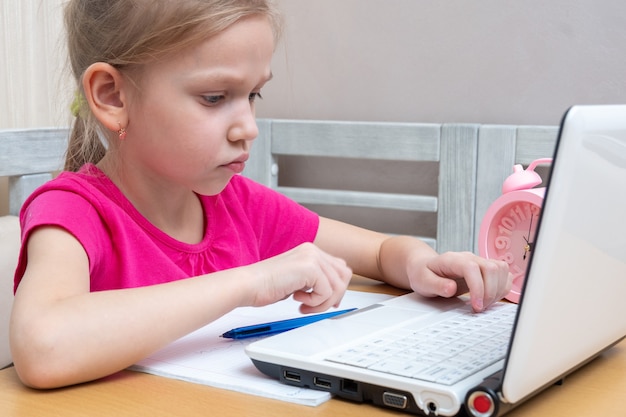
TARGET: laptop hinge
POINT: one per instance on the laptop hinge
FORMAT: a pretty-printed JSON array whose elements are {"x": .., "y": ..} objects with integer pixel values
[{"x": 485, "y": 400}]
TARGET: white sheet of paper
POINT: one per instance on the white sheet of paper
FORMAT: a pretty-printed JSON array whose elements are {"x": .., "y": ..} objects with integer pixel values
[{"x": 205, "y": 358}]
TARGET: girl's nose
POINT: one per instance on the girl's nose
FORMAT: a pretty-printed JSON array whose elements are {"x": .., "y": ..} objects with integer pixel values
[{"x": 244, "y": 127}]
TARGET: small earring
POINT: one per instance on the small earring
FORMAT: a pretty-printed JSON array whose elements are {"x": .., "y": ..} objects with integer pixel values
[{"x": 121, "y": 132}]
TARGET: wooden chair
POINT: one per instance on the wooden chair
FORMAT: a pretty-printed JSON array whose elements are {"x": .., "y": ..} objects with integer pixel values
[{"x": 453, "y": 148}]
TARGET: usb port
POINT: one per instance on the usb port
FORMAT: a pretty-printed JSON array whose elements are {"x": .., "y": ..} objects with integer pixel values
[
  {"x": 322, "y": 382},
  {"x": 291, "y": 376}
]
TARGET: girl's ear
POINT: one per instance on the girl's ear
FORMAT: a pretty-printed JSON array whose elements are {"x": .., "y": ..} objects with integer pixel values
[{"x": 104, "y": 91}]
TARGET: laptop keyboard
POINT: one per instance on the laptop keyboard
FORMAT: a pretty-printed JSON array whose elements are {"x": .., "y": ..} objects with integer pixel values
[{"x": 444, "y": 352}]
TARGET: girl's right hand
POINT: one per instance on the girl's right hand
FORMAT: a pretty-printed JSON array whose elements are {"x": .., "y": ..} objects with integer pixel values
[{"x": 315, "y": 278}]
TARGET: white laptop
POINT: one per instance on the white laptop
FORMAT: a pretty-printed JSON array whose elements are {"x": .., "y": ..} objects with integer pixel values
[{"x": 571, "y": 310}]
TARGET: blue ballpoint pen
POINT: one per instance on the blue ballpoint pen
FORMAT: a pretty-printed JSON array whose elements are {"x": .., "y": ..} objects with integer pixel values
[{"x": 266, "y": 329}]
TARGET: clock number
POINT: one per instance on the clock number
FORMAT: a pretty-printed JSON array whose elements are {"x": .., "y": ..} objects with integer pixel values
[
  {"x": 504, "y": 231},
  {"x": 528, "y": 210},
  {"x": 508, "y": 223},
  {"x": 518, "y": 214},
  {"x": 502, "y": 242},
  {"x": 517, "y": 272},
  {"x": 534, "y": 209},
  {"x": 508, "y": 258},
  {"x": 519, "y": 210}
]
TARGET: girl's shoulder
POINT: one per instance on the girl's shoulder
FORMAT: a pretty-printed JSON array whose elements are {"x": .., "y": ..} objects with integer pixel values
[{"x": 89, "y": 185}]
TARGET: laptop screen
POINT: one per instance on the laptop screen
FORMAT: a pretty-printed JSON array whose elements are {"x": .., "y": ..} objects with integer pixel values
[{"x": 572, "y": 304}]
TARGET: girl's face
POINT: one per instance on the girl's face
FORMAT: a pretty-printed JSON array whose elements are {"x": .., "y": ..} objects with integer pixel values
[{"x": 191, "y": 120}]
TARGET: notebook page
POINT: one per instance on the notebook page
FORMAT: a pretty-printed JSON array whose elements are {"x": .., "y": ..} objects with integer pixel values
[{"x": 205, "y": 358}]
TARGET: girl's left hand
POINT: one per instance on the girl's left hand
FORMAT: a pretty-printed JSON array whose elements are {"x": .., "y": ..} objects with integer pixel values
[{"x": 455, "y": 273}]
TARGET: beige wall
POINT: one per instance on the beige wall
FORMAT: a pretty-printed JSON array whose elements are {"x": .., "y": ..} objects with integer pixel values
[
  {"x": 487, "y": 61},
  {"x": 33, "y": 88}
]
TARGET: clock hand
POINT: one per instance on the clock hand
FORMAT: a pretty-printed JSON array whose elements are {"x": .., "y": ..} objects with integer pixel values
[{"x": 527, "y": 247}]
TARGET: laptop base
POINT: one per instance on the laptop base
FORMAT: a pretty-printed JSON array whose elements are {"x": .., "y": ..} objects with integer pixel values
[{"x": 346, "y": 388}]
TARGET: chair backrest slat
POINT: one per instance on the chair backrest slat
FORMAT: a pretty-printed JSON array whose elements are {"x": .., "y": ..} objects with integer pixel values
[
  {"x": 30, "y": 151},
  {"x": 362, "y": 140},
  {"x": 28, "y": 157}
]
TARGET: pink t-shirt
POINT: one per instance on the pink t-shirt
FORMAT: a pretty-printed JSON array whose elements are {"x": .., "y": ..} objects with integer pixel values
[{"x": 245, "y": 223}]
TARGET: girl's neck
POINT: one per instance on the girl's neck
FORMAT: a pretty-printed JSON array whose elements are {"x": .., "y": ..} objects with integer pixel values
[{"x": 177, "y": 212}]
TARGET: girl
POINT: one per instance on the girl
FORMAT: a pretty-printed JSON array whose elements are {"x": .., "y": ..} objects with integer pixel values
[{"x": 152, "y": 235}]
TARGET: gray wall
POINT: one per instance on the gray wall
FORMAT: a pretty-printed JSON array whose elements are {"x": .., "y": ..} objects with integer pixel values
[{"x": 485, "y": 61}]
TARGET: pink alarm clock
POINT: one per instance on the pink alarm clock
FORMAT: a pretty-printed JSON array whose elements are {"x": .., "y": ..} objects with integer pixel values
[{"x": 507, "y": 231}]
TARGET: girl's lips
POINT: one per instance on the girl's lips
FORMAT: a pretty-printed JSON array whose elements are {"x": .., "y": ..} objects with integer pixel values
[{"x": 238, "y": 165}]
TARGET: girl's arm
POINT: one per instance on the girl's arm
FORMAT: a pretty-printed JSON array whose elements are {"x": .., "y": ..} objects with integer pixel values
[
  {"x": 409, "y": 263},
  {"x": 62, "y": 334}
]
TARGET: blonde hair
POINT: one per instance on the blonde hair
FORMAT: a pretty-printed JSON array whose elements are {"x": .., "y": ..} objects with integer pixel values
[{"x": 129, "y": 34}]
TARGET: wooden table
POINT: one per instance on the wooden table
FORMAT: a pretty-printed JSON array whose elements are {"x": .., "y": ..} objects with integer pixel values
[{"x": 598, "y": 389}]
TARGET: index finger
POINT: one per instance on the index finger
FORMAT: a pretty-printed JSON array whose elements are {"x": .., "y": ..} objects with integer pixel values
[
  {"x": 473, "y": 276},
  {"x": 456, "y": 265}
]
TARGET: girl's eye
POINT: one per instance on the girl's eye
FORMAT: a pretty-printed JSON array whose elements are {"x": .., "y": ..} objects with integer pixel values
[
  {"x": 253, "y": 96},
  {"x": 212, "y": 99}
]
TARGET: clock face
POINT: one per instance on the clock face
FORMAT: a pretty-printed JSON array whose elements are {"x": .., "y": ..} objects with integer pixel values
[{"x": 510, "y": 237}]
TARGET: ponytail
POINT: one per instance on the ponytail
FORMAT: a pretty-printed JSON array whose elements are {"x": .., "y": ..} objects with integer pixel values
[{"x": 84, "y": 143}]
